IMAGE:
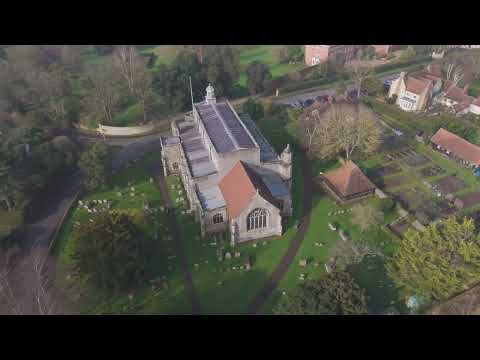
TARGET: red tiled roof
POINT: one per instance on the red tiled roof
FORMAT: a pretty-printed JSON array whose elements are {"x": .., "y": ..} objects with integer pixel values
[
  {"x": 457, "y": 94},
  {"x": 459, "y": 147},
  {"x": 349, "y": 179},
  {"x": 417, "y": 86},
  {"x": 239, "y": 186}
]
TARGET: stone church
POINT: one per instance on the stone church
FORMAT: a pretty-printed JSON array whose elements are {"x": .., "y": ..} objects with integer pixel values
[{"x": 234, "y": 179}]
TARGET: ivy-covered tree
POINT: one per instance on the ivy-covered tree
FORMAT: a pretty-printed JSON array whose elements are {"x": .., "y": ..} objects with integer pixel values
[
  {"x": 336, "y": 293},
  {"x": 221, "y": 65},
  {"x": 110, "y": 249},
  {"x": 257, "y": 76},
  {"x": 253, "y": 108},
  {"x": 439, "y": 262},
  {"x": 95, "y": 162},
  {"x": 373, "y": 86}
]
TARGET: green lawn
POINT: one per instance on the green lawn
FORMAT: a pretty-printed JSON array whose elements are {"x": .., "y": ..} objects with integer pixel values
[
  {"x": 162, "y": 262},
  {"x": 266, "y": 54},
  {"x": 321, "y": 243}
]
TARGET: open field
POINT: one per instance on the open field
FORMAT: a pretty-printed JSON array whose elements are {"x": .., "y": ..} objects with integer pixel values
[{"x": 266, "y": 54}]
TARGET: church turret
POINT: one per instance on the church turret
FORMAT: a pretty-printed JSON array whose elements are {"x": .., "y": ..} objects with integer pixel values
[
  {"x": 286, "y": 167},
  {"x": 286, "y": 155},
  {"x": 210, "y": 98}
]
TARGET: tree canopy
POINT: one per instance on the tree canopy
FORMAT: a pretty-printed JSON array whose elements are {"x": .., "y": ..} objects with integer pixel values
[
  {"x": 336, "y": 293},
  {"x": 253, "y": 108},
  {"x": 439, "y": 262},
  {"x": 95, "y": 162},
  {"x": 345, "y": 129},
  {"x": 257, "y": 76},
  {"x": 110, "y": 249}
]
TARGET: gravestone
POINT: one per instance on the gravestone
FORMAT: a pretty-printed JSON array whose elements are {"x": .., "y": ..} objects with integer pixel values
[
  {"x": 237, "y": 254},
  {"x": 228, "y": 256},
  {"x": 302, "y": 262},
  {"x": 333, "y": 228}
]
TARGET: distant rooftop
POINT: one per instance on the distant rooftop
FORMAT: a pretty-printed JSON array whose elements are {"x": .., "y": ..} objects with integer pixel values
[{"x": 223, "y": 127}]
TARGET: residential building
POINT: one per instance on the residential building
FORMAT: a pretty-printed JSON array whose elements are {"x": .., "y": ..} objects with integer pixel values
[
  {"x": 347, "y": 183},
  {"x": 316, "y": 54},
  {"x": 385, "y": 49},
  {"x": 456, "y": 148},
  {"x": 455, "y": 98},
  {"x": 234, "y": 179},
  {"x": 412, "y": 93}
]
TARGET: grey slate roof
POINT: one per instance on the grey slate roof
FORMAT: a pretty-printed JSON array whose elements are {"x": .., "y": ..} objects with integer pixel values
[
  {"x": 272, "y": 181},
  {"x": 211, "y": 198},
  {"x": 197, "y": 155},
  {"x": 267, "y": 153},
  {"x": 224, "y": 128}
]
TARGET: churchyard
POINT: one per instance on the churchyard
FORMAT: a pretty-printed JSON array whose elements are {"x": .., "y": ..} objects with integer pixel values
[
  {"x": 419, "y": 180},
  {"x": 132, "y": 189},
  {"x": 226, "y": 279}
]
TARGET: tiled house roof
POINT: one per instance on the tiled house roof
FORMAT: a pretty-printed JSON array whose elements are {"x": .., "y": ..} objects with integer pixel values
[
  {"x": 459, "y": 147},
  {"x": 239, "y": 186},
  {"x": 417, "y": 86},
  {"x": 349, "y": 179}
]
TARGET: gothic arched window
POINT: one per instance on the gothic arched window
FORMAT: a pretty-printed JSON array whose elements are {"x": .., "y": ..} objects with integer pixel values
[
  {"x": 257, "y": 219},
  {"x": 218, "y": 218},
  {"x": 175, "y": 166}
]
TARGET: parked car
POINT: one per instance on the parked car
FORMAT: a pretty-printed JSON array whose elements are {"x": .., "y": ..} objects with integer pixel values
[{"x": 308, "y": 102}]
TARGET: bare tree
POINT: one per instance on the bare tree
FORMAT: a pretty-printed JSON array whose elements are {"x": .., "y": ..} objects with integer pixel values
[
  {"x": 311, "y": 125},
  {"x": 34, "y": 292},
  {"x": 345, "y": 129},
  {"x": 143, "y": 90},
  {"x": 458, "y": 75},
  {"x": 129, "y": 63},
  {"x": 358, "y": 74},
  {"x": 102, "y": 96},
  {"x": 50, "y": 87}
]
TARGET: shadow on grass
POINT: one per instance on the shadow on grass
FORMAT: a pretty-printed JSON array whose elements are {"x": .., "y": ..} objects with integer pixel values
[{"x": 382, "y": 293}]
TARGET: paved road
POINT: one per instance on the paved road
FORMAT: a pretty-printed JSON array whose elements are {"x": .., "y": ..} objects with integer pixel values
[
  {"x": 262, "y": 296},
  {"x": 288, "y": 100}
]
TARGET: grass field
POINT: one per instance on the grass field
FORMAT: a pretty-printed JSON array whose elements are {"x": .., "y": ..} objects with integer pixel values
[
  {"x": 90, "y": 300},
  {"x": 266, "y": 54}
]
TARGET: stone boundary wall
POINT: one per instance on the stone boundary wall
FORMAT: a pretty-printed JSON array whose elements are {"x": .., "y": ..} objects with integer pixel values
[{"x": 125, "y": 130}]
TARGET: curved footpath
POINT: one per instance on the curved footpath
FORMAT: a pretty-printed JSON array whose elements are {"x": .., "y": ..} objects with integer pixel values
[{"x": 262, "y": 296}]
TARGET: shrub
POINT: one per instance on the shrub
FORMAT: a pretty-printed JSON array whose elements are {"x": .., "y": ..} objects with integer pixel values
[{"x": 385, "y": 205}]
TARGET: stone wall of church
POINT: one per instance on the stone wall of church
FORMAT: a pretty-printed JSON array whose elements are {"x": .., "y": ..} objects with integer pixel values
[
  {"x": 208, "y": 223},
  {"x": 173, "y": 158},
  {"x": 274, "y": 221}
]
